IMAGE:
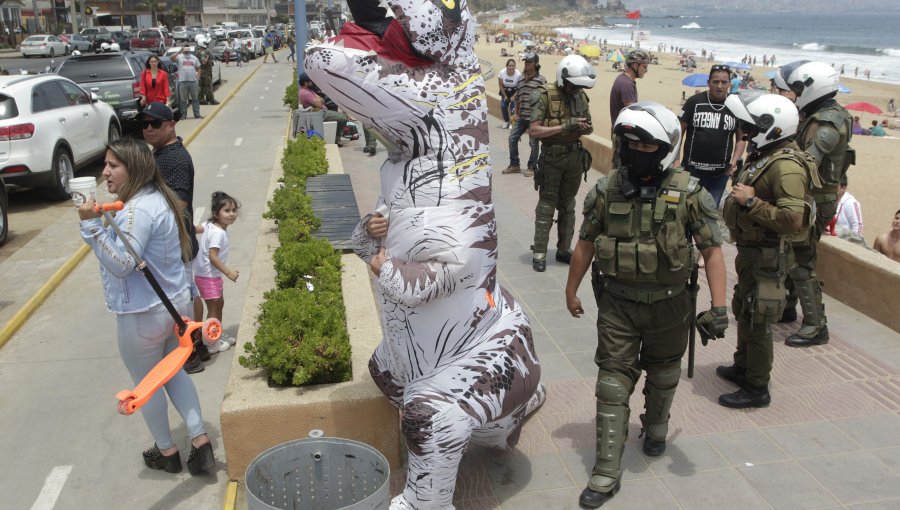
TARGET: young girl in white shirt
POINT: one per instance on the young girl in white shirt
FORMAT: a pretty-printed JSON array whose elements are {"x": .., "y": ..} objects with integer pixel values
[{"x": 209, "y": 265}]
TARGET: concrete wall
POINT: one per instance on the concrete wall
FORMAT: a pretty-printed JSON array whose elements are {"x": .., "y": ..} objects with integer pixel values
[
  {"x": 256, "y": 417},
  {"x": 862, "y": 279}
]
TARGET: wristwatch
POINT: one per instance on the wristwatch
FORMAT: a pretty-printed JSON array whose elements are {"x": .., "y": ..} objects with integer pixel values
[{"x": 749, "y": 203}]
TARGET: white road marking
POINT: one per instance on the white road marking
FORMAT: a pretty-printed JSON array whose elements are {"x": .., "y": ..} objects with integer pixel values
[
  {"x": 238, "y": 142},
  {"x": 225, "y": 167},
  {"x": 262, "y": 97},
  {"x": 267, "y": 88},
  {"x": 255, "y": 108},
  {"x": 270, "y": 81},
  {"x": 53, "y": 485}
]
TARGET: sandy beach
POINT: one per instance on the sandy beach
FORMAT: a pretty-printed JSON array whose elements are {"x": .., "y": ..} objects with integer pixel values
[{"x": 874, "y": 181}]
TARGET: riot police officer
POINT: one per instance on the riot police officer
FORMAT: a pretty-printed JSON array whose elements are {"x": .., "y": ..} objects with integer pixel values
[
  {"x": 767, "y": 207},
  {"x": 824, "y": 132},
  {"x": 206, "y": 64},
  {"x": 640, "y": 225},
  {"x": 560, "y": 115}
]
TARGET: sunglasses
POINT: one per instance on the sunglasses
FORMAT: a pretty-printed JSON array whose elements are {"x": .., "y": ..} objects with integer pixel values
[
  {"x": 155, "y": 123},
  {"x": 720, "y": 67}
]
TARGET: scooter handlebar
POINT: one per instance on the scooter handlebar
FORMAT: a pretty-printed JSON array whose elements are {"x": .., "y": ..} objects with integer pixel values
[{"x": 112, "y": 206}]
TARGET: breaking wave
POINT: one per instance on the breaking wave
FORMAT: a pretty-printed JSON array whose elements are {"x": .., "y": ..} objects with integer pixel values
[{"x": 691, "y": 25}]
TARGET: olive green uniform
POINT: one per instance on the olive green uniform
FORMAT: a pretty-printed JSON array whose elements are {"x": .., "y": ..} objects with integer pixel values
[
  {"x": 762, "y": 233},
  {"x": 644, "y": 250},
  {"x": 206, "y": 65},
  {"x": 824, "y": 135},
  {"x": 561, "y": 165}
]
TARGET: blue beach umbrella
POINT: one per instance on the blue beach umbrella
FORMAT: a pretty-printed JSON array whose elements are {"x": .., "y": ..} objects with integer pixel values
[
  {"x": 771, "y": 74},
  {"x": 695, "y": 80},
  {"x": 615, "y": 57},
  {"x": 738, "y": 65},
  {"x": 843, "y": 89}
]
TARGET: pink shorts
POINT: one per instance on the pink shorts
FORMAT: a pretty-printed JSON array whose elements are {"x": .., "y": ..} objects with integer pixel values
[{"x": 209, "y": 287}]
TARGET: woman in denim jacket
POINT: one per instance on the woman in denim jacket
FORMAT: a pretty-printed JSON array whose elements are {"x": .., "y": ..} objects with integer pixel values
[{"x": 144, "y": 327}]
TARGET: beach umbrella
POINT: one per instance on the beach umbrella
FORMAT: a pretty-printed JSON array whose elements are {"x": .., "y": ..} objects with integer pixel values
[
  {"x": 589, "y": 51},
  {"x": 863, "y": 107},
  {"x": 615, "y": 57},
  {"x": 688, "y": 53},
  {"x": 526, "y": 34},
  {"x": 528, "y": 43},
  {"x": 771, "y": 74},
  {"x": 738, "y": 65},
  {"x": 695, "y": 80},
  {"x": 843, "y": 89}
]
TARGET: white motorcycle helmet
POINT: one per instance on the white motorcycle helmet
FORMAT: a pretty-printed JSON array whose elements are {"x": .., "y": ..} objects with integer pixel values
[
  {"x": 649, "y": 122},
  {"x": 765, "y": 118},
  {"x": 114, "y": 47},
  {"x": 783, "y": 72},
  {"x": 201, "y": 40},
  {"x": 812, "y": 82},
  {"x": 577, "y": 71},
  {"x": 104, "y": 47},
  {"x": 76, "y": 53}
]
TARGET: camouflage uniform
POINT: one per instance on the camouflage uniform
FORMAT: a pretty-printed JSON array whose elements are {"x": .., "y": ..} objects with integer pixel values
[{"x": 206, "y": 64}]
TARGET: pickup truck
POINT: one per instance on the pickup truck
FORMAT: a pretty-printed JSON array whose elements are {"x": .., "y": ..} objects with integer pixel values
[
  {"x": 156, "y": 40},
  {"x": 251, "y": 46}
]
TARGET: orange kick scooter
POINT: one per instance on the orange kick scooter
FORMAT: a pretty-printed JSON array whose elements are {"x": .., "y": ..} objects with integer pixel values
[{"x": 211, "y": 329}]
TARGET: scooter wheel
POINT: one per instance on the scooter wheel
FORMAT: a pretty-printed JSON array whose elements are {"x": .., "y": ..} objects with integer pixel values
[
  {"x": 124, "y": 407},
  {"x": 186, "y": 319},
  {"x": 212, "y": 330}
]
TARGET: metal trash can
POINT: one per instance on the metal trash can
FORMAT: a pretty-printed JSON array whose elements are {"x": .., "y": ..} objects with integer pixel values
[
  {"x": 324, "y": 473},
  {"x": 308, "y": 121}
]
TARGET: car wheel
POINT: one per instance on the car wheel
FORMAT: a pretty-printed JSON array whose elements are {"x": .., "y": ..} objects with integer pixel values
[
  {"x": 4, "y": 221},
  {"x": 52, "y": 52},
  {"x": 63, "y": 171},
  {"x": 114, "y": 133}
]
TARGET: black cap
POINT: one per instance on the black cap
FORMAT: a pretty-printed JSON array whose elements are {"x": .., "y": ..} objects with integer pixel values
[
  {"x": 303, "y": 78},
  {"x": 531, "y": 57},
  {"x": 158, "y": 111}
]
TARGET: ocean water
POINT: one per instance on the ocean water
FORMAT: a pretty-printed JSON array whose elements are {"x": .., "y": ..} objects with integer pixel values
[{"x": 867, "y": 41}]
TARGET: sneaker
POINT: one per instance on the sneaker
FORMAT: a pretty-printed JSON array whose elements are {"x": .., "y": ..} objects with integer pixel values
[
  {"x": 506, "y": 125},
  {"x": 193, "y": 365},
  {"x": 528, "y": 173},
  {"x": 220, "y": 346},
  {"x": 512, "y": 169},
  {"x": 230, "y": 339}
]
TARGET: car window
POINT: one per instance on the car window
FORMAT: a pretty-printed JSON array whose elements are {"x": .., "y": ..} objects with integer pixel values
[
  {"x": 8, "y": 108},
  {"x": 144, "y": 34},
  {"x": 136, "y": 66},
  {"x": 47, "y": 96},
  {"x": 52, "y": 39},
  {"x": 74, "y": 93},
  {"x": 81, "y": 70},
  {"x": 35, "y": 38}
]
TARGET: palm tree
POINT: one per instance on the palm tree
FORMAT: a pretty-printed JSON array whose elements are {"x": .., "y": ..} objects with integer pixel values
[
  {"x": 179, "y": 12},
  {"x": 154, "y": 7}
]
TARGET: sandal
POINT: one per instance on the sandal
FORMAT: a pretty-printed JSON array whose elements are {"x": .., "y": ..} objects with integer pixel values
[
  {"x": 154, "y": 459},
  {"x": 201, "y": 459}
]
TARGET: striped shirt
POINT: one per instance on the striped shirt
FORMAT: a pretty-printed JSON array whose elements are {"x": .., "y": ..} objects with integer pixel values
[{"x": 524, "y": 91}]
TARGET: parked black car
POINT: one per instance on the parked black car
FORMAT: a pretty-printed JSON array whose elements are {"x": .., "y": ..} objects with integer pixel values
[{"x": 115, "y": 77}]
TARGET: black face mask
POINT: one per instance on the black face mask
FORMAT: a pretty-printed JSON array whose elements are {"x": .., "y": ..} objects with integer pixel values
[{"x": 642, "y": 165}]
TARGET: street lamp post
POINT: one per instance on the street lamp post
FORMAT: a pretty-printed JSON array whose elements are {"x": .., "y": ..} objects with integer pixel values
[{"x": 300, "y": 28}]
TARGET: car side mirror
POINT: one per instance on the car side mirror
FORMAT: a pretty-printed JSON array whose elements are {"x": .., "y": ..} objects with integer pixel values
[{"x": 94, "y": 97}]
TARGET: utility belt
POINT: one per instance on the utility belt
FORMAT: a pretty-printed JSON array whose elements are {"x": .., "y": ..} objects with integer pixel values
[
  {"x": 639, "y": 295},
  {"x": 556, "y": 149}
]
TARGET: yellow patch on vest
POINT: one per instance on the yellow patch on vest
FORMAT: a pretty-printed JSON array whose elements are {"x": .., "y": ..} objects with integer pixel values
[{"x": 672, "y": 196}]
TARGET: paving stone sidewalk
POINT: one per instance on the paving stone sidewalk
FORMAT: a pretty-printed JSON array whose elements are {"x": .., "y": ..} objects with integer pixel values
[{"x": 830, "y": 439}]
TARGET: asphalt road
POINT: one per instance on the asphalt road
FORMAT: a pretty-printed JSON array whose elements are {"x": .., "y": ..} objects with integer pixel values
[{"x": 63, "y": 444}]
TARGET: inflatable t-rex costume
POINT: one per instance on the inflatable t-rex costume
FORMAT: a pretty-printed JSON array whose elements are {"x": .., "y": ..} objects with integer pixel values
[{"x": 457, "y": 356}]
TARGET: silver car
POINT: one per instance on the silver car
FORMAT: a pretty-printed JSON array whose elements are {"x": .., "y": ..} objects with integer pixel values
[{"x": 43, "y": 45}]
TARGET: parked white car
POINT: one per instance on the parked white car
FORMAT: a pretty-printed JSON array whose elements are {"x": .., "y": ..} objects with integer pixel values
[
  {"x": 251, "y": 46},
  {"x": 172, "y": 53},
  {"x": 49, "y": 127},
  {"x": 44, "y": 46}
]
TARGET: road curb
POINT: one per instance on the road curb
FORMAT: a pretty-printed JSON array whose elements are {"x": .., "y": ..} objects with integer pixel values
[{"x": 34, "y": 302}]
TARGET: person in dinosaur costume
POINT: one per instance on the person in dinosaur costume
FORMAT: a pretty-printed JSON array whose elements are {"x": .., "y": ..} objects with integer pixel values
[{"x": 457, "y": 356}]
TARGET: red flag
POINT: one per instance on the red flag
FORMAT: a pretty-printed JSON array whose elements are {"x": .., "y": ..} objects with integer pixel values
[{"x": 633, "y": 15}]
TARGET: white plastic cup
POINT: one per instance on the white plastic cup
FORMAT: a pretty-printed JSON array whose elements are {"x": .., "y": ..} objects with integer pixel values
[{"x": 82, "y": 189}]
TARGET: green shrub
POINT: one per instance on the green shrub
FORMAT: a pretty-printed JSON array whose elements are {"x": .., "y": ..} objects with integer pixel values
[
  {"x": 290, "y": 93},
  {"x": 302, "y": 336}
]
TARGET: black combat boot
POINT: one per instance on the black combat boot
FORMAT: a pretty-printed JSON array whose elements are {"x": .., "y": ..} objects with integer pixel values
[
  {"x": 563, "y": 256},
  {"x": 654, "y": 448},
  {"x": 732, "y": 374},
  {"x": 747, "y": 396},
  {"x": 788, "y": 315},
  {"x": 796, "y": 340},
  {"x": 594, "y": 499},
  {"x": 539, "y": 264}
]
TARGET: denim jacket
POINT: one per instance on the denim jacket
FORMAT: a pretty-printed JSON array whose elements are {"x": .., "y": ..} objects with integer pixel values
[{"x": 152, "y": 231}]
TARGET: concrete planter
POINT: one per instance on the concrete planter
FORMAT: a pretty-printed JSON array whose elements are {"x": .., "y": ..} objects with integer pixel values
[{"x": 256, "y": 417}]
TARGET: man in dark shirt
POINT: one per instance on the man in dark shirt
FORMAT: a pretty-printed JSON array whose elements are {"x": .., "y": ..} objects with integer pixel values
[
  {"x": 712, "y": 142},
  {"x": 624, "y": 92},
  {"x": 177, "y": 169}
]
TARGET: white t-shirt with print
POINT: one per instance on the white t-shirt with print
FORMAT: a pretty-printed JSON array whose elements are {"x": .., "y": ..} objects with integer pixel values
[
  {"x": 213, "y": 236},
  {"x": 510, "y": 82}
]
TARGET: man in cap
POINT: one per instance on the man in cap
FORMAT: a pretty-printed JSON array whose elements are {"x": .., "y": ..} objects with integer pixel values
[
  {"x": 310, "y": 99},
  {"x": 624, "y": 91},
  {"x": 531, "y": 80},
  {"x": 188, "y": 87},
  {"x": 206, "y": 65}
]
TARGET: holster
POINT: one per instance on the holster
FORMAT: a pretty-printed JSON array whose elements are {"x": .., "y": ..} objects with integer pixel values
[
  {"x": 586, "y": 161},
  {"x": 596, "y": 281}
]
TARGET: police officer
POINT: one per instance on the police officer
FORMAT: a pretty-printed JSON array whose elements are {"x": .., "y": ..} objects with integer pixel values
[
  {"x": 560, "y": 115},
  {"x": 640, "y": 223},
  {"x": 767, "y": 206},
  {"x": 824, "y": 132},
  {"x": 206, "y": 64}
]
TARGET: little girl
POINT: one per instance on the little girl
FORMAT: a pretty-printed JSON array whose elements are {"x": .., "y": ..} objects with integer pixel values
[{"x": 209, "y": 265}]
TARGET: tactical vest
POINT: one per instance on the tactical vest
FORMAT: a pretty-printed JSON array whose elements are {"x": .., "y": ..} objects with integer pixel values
[
  {"x": 834, "y": 164},
  {"x": 749, "y": 232},
  {"x": 646, "y": 241},
  {"x": 557, "y": 112}
]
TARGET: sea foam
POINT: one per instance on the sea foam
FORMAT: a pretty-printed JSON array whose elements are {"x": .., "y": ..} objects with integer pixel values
[{"x": 691, "y": 25}]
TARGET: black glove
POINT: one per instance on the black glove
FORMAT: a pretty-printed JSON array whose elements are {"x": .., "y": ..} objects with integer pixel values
[
  {"x": 570, "y": 124},
  {"x": 713, "y": 323}
]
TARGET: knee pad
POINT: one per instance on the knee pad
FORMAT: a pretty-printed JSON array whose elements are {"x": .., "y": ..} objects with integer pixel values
[
  {"x": 613, "y": 389},
  {"x": 664, "y": 377},
  {"x": 800, "y": 273}
]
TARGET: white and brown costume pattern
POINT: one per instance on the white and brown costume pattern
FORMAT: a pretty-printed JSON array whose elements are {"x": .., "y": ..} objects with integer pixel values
[{"x": 457, "y": 356}]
